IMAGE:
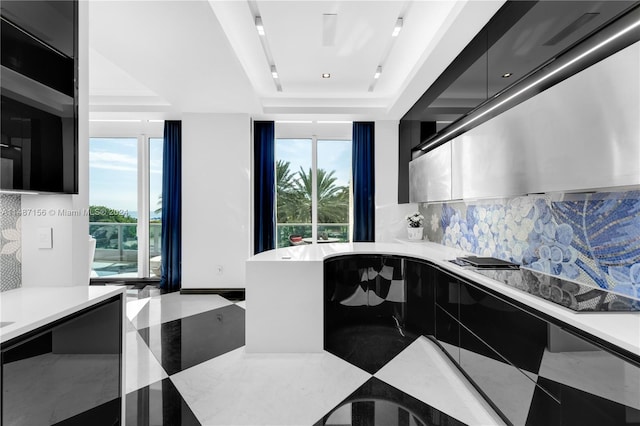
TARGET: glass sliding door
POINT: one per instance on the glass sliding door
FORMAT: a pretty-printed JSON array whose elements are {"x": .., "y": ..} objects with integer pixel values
[
  {"x": 125, "y": 195},
  {"x": 293, "y": 191},
  {"x": 113, "y": 205},
  {"x": 334, "y": 189}
]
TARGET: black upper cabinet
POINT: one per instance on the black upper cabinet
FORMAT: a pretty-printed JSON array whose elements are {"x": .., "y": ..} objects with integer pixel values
[
  {"x": 31, "y": 57},
  {"x": 51, "y": 22},
  {"x": 39, "y": 139}
]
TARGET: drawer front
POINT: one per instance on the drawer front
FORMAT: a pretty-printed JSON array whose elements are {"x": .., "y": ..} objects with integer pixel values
[
  {"x": 509, "y": 389},
  {"x": 517, "y": 335}
]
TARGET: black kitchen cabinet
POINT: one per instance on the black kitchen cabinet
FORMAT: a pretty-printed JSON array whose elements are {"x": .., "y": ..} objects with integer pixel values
[
  {"x": 419, "y": 278},
  {"x": 533, "y": 369},
  {"x": 365, "y": 309},
  {"x": 517, "y": 335},
  {"x": 68, "y": 372},
  {"x": 508, "y": 388}
]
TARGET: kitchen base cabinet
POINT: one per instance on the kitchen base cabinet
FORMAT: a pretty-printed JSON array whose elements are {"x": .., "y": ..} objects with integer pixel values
[
  {"x": 508, "y": 388},
  {"x": 66, "y": 373},
  {"x": 365, "y": 309},
  {"x": 419, "y": 278},
  {"x": 533, "y": 369},
  {"x": 515, "y": 334}
]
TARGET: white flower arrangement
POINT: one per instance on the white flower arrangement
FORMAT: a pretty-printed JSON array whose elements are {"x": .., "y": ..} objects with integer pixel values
[{"x": 415, "y": 220}]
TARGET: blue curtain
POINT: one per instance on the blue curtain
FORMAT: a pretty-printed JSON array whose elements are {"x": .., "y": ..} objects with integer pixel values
[
  {"x": 264, "y": 186},
  {"x": 171, "y": 207},
  {"x": 363, "y": 169}
]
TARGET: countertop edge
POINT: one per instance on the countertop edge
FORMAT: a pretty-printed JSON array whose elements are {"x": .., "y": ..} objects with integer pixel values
[{"x": 54, "y": 311}]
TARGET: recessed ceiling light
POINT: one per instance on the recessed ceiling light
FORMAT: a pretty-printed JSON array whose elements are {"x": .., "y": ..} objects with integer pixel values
[
  {"x": 378, "y": 72},
  {"x": 274, "y": 72},
  {"x": 326, "y": 75},
  {"x": 507, "y": 75},
  {"x": 397, "y": 28},
  {"x": 259, "y": 25}
]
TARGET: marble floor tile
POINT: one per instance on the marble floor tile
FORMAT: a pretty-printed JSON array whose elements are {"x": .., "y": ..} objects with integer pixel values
[
  {"x": 185, "y": 342},
  {"x": 424, "y": 372},
  {"x": 172, "y": 306},
  {"x": 378, "y": 403},
  {"x": 596, "y": 372},
  {"x": 242, "y": 304},
  {"x": 134, "y": 306},
  {"x": 267, "y": 389},
  {"x": 142, "y": 367},
  {"x": 158, "y": 404}
]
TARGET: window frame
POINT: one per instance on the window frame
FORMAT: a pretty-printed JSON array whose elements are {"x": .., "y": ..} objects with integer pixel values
[
  {"x": 314, "y": 133},
  {"x": 143, "y": 131}
]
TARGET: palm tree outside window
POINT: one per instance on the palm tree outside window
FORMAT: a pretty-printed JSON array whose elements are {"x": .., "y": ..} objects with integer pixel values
[{"x": 313, "y": 206}]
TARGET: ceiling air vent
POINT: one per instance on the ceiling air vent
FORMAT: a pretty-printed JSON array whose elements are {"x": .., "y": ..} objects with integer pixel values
[{"x": 571, "y": 28}]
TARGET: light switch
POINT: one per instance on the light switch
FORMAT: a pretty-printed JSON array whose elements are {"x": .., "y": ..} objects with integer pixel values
[{"x": 45, "y": 238}]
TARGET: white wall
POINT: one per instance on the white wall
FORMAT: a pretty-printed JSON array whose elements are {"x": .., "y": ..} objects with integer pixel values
[
  {"x": 216, "y": 191},
  {"x": 390, "y": 222},
  {"x": 67, "y": 263}
]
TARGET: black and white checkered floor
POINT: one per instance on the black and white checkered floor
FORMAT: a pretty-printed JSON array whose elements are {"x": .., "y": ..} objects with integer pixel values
[{"x": 186, "y": 365}]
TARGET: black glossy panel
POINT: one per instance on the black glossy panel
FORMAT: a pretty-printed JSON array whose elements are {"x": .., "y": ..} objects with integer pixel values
[
  {"x": 448, "y": 332},
  {"x": 365, "y": 305},
  {"x": 447, "y": 292},
  {"x": 369, "y": 346},
  {"x": 107, "y": 414},
  {"x": 67, "y": 371},
  {"x": 31, "y": 58},
  {"x": 376, "y": 403},
  {"x": 496, "y": 377},
  {"x": 578, "y": 408},
  {"x": 419, "y": 278},
  {"x": 39, "y": 147},
  {"x": 158, "y": 404},
  {"x": 517, "y": 335},
  {"x": 186, "y": 342},
  {"x": 50, "y": 21}
]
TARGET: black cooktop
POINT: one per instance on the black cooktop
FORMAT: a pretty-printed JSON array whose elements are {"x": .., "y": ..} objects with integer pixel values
[{"x": 484, "y": 262}]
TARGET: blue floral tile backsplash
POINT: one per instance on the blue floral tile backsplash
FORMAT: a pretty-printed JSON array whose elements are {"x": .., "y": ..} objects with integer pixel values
[{"x": 590, "y": 238}]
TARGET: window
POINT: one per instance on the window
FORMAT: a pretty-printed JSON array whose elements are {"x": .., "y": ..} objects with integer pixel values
[
  {"x": 313, "y": 187},
  {"x": 125, "y": 190}
]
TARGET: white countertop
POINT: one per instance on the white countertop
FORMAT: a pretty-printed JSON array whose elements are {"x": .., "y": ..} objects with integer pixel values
[
  {"x": 621, "y": 329},
  {"x": 32, "y": 307}
]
